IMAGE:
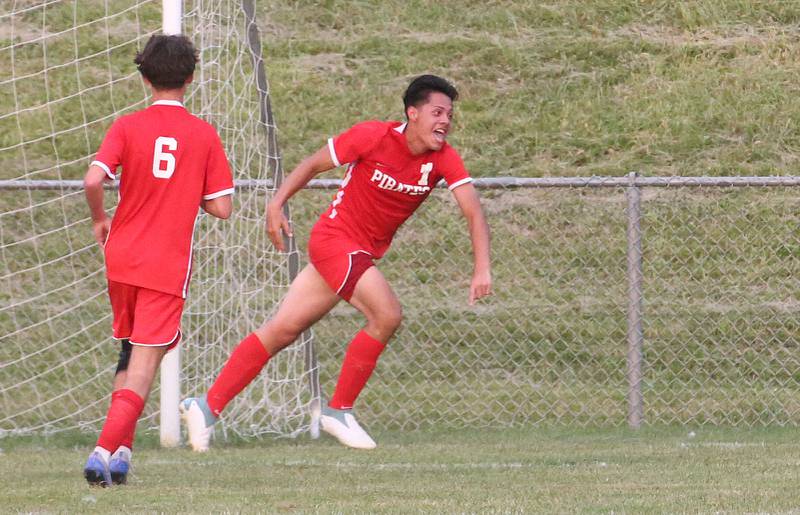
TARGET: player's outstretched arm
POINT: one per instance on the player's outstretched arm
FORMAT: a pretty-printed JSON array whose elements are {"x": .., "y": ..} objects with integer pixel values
[
  {"x": 93, "y": 189},
  {"x": 467, "y": 198},
  {"x": 318, "y": 162},
  {"x": 221, "y": 207}
]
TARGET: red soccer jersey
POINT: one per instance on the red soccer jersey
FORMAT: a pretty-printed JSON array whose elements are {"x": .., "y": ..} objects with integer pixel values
[
  {"x": 171, "y": 161},
  {"x": 384, "y": 183}
]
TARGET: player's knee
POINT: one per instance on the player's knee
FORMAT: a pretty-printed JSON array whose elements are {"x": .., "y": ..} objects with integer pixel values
[
  {"x": 395, "y": 318},
  {"x": 388, "y": 320},
  {"x": 124, "y": 357}
]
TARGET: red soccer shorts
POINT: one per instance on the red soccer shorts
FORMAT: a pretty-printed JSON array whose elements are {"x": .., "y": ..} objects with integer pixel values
[
  {"x": 339, "y": 260},
  {"x": 145, "y": 317}
]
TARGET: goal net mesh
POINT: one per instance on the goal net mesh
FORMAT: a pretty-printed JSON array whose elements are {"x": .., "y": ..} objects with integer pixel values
[{"x": 66, "y": 72}]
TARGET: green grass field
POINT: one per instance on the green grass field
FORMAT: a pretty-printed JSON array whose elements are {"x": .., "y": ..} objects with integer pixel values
[
  {"x": 559, "y": 88},
  {"x": 668, "y": 470}
]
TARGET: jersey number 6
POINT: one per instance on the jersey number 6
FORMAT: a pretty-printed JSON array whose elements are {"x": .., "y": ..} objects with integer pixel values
[{"x": 160, "y": 155}]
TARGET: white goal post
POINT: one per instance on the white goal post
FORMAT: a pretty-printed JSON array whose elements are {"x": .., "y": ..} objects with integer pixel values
[{"x": 170, "y": 426}]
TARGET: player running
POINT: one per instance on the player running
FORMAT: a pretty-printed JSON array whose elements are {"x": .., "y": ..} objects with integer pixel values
[
  {"x": 392, "y": 169},
  {"x": 172, "y": 164}
]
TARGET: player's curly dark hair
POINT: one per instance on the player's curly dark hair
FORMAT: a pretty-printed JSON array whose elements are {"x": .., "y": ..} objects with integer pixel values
[
  {"x": 421, "y": 87},
  {"x": 167, "y": 61}
]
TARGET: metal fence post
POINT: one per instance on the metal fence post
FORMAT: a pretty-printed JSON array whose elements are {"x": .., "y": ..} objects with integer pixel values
[{"x": 635, "y": 335}]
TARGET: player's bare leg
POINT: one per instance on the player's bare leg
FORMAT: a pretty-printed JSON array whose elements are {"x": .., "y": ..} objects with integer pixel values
[
  {"x": 126, "y": 406},
  {"x": 119, "y": 380},
  {"x": 375, "y": 299},
  {"x": 309, "y": 298},
  {"x": 142, "y": 369}
]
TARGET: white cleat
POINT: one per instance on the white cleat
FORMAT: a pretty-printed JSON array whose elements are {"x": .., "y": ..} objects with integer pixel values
[
  {"x": 342, "y": 425},
  {"x": 199, "y": 422}
]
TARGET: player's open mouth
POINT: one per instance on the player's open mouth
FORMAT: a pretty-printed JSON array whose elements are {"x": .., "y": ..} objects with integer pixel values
[{"x": 440, "y": 134}]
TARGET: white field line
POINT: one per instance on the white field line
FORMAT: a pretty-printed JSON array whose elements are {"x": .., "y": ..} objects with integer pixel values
[
  {"x": 725, "y": 445},
  {"x": 347, "y": 465}
]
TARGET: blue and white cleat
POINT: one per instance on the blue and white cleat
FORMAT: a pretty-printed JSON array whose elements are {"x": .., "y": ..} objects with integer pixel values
[
  {"x": 342, "y": 425},
  {"x": 199, "y": 422},
  {"x": 120, "y": 465},
  {"x": 96, "y": 470}
]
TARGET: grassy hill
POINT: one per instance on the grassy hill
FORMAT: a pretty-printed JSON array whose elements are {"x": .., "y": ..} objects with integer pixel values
[
  {"x": 554, "y": 88},
  {"x": 704, "y": 87}
]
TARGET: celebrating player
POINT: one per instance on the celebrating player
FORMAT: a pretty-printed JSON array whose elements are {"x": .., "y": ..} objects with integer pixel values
[
  {"x": 172, "y": 164},
  {"x": 392, "y": 169}
]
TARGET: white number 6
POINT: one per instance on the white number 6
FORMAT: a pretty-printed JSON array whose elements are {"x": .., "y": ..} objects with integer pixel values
[{"x": 160, "y": 155}]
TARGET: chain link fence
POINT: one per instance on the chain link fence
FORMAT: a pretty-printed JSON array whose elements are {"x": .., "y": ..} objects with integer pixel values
[
  {"x": 638, "y": 300},
  {"x": 616, "y": 300}
]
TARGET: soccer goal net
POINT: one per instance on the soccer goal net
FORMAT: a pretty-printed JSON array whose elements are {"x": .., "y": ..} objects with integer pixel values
[{"x": 66, "y": 72}]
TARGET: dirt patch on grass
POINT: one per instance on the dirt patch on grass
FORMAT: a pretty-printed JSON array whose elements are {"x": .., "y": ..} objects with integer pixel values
[
  {"x": 19, "y": 31},
  {"x": 331, "y": 63}
]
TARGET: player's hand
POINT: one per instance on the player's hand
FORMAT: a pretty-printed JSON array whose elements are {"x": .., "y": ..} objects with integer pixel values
[
  {"x": 100, "y": 230},
  {"x": 277, "y": 226},
  {"x": 481, "y": 286}
]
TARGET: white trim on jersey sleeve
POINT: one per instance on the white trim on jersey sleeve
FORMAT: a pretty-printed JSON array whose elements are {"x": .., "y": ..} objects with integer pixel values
[
  {"x": 212, "y": 196},
  {"x": 456, "y": 184},
  {"x": 105, "y": 169},
  {"x": 401, "y": 128},
  {"x": 333, "y": 153}
]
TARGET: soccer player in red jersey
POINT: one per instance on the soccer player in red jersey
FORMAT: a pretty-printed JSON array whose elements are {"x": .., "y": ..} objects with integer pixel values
[
  {"x": 172, "y": 164},
  {"x": 392, "y": 168}
]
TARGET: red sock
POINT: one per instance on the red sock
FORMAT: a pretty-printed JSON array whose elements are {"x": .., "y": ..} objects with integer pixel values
[
  {"x": 126, "y": 406},
  {"x": 245, "y": 363},
  {"x": 359, "y": 362},
  {"x": 127, "y": 441}
]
